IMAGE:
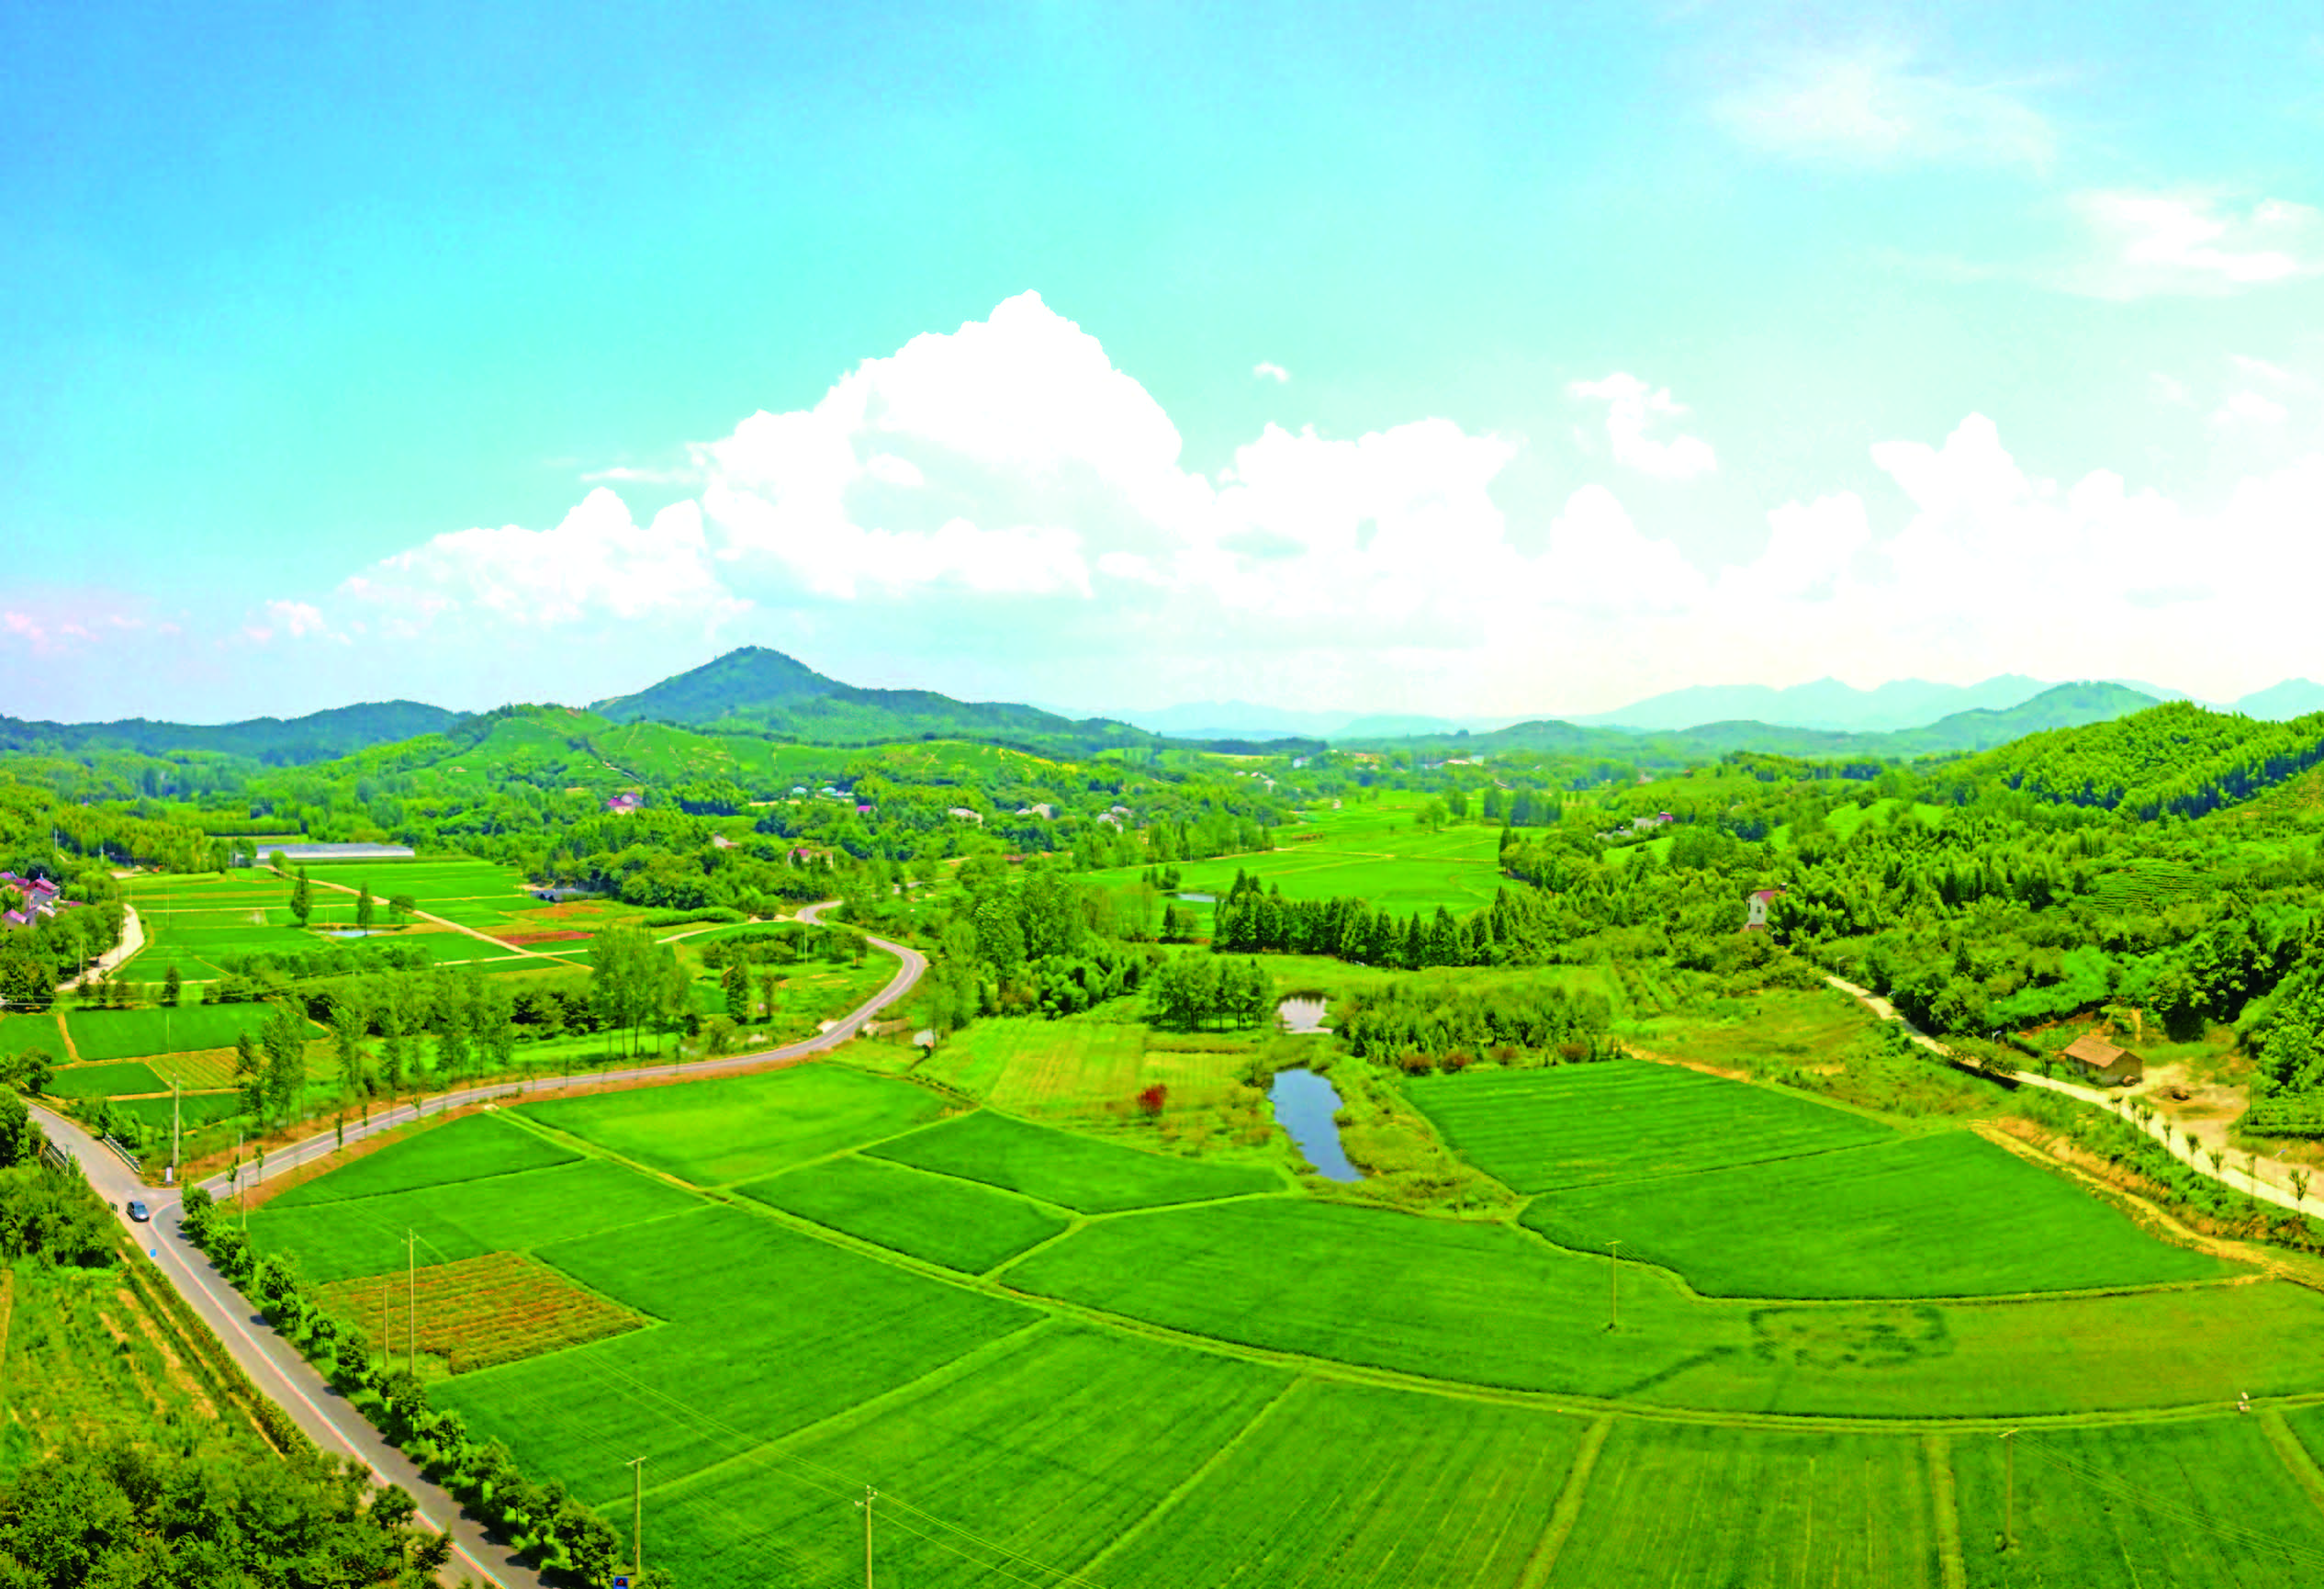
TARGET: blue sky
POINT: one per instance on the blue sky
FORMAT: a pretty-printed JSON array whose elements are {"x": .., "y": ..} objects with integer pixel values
[{"x": 1470, "y": 360}]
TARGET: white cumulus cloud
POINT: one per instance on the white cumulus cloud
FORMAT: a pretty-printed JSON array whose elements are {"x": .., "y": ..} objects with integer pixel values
[
  {"x": 1264, "y": 370},
  {"x": 598, "y": 563},
  {"x": 998, "y": 508},
  {"x": 1631, "y": 407}
]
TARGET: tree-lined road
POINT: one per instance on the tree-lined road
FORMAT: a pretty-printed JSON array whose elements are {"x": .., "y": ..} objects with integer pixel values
[{"x": 276, "y": 1366}]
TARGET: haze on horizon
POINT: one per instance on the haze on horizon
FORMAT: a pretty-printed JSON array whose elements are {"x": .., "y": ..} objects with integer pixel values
[{"x": 1113, "y": 359}]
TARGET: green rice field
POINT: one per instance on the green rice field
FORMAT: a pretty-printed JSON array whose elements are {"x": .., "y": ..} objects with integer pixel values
[
  {"x": 1074, "y": 1172},
  {"x": 1857, "y": 1222},
  {"x": 1172, "y": 1373},
  {"x": 337, "y": 1240},
  {"x": 954, "y": 1223},
  {"x": 1709, "y": 1509},
  {"x": 1622, "y": 1120},
  {"x": 2209, "y": 1504},
  {"x": 473, "y": 1148},
  {"x": 1373, "y": 852},
  {"x": 1063, "y": 1070},
  {"x": 105, "y": 1080},
  {"x": 137, "y": 1033},
  {"x": 1365, "y": 1485},
  {"x": 739, "y": 1128}
]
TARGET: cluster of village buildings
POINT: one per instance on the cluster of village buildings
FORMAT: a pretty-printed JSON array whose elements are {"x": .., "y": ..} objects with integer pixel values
[{"x": 32, "y": 899}]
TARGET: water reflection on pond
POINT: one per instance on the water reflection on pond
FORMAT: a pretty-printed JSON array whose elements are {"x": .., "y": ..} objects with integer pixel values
[{"x": 1305, "y": 1103}]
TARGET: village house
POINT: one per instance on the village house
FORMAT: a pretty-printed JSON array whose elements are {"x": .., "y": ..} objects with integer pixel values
[
  {"x": 1756, "y": 909},
  {"x": 624, "y": 805},
  {"x": 36, "y": 899},
  {"x": 2103, "y": 1064}
]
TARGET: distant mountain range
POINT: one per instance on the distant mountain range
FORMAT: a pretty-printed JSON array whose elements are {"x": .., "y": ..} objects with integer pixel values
[
  {"x": 281, "y": 741},
  {"x": 2059, "y": 706},
  {"x": 1827, "y": 704},
  {"x": 764, "y": 692},
  {"x": 1241, "y": 720}
]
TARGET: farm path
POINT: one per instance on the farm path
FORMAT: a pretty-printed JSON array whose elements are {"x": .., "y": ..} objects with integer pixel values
[
  {"x": 281, "y": 1374},
  {"x": 475, "y": 933},
  {"x": 275, "y": 1367},
  {"x": 132, "y": 940},
  {"x": 2269, "y": 1180}
]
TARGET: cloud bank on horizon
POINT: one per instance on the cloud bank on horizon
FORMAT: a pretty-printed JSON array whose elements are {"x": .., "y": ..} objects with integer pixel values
[
  {"x": 1003, "y": 500},
  {"x": 1873, "y": 347}
]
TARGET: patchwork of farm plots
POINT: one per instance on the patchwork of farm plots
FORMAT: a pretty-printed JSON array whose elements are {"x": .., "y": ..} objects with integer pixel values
[
  {"x": 1381, "y": 856},
  {"x": 195, "y": 923},
  {"x": 1056, "y": 1356}
]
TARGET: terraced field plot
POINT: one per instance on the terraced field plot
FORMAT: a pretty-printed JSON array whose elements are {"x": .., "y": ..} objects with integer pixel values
[
  {"x": 104, "y": 1080},
  {"x": 23, "y": 1033},
  {"x": 2195, "y": 1505},
  {"x": 473, "y": 1148},
  {"x": 1345, "y": 1484},
  {"x": 954, "y": 1223},
  {"x": 1934, "y": 1216},
  {"x": 1074, "y": 1172},
  {"x": 193, "y": 1109},
  {"x": 1060, "y": 1069},
  {"x": 1373, "y": 853},
  {"x": 1030, "y": 1065},
  {"x": 1059, "y": 1443},
  {"x": 339, "y": 1240},
  {"x": 765, "y": 1332},
  {"x": 1488, "y": 1306},
  {"x": 1693, "y": 1506},
  {"x": 1623, "y": 1120},
  {"x": 99, "y": 1034},
  {"x": 479, "y": 1312},
  {"x": 1477, "y": 1302},
  {"x": 740, "y": 1128}
]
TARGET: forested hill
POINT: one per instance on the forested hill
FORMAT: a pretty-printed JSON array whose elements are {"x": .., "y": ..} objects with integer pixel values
[
  {"x": 276, "y": 742},
  {"x": 2062, "y": 707},
  {"x": 2176, "y": 760},
  {"x": 758, "y": 690}
]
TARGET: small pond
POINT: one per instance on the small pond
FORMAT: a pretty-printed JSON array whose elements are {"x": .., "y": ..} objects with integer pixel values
[
  {"x": 1198, "y": 898},
  {"x": 1305, "y": 1103},
  {"x": 345, "y": 932}
]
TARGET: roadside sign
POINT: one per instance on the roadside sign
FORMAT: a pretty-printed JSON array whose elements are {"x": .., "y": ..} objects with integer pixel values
[{"x": 621, "y": 1581}]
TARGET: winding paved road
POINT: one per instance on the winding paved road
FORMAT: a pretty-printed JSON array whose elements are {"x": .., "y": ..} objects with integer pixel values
[{"x": 276, "y": 1366}]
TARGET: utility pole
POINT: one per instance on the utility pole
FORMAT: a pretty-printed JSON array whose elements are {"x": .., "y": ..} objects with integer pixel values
[
  {"x": 1613, "y": 1283},
  {"x": 2009, "y": 1490},
  {"x": 173, "y": 1128},
  {"x": 638, "y": 1517},
  {"x": 411, "y": 1323},
  {"x": 869, "y": 1495}
]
